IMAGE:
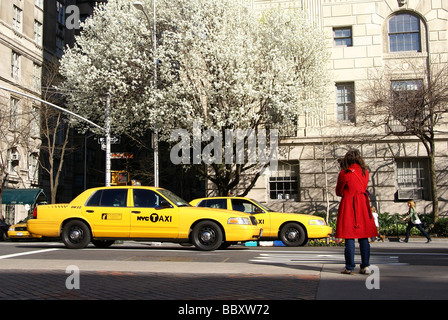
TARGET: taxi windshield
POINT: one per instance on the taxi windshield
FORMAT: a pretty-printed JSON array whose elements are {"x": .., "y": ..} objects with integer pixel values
[{"x": 178, "y": 201}]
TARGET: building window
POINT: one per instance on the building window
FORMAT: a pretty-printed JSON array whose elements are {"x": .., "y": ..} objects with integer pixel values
[
  {"x": 345, "y": 101},
  {"x": 34, "y": 123},
  {"x": 13, "y": 162},
  {"x": 342, "y": 37},
  {"x": 60, "y": 12},
  {"x": 284, "y": 183},
  {"x": 406, "y": 85},
  {"x": 407, "y": 94},
  {"x": 404, "y": 33},
  {"x": 37, "y": 76},
  {"x": 60, "y": 28},
  {"x": 33, "y": 166},
  {"x": 17, "y": 19},
  {"x": 38, "y": 32},
  {"x": 15, "y": 66},
  {"x": 14, "y": 114},
  {"x": 412, "y": 178},
  {"x": 59, "y": 46},
  {"x": 39, "y": 3},
  {"x": 407, "y": 101}
]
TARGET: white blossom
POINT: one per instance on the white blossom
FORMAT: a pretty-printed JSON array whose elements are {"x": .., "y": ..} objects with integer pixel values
[{"x": 219, "y": 63}]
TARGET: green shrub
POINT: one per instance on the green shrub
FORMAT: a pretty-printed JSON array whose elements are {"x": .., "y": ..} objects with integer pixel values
[
  {"x": 394, "y": 226},
  {"x": 441, "y": 227},
  {"x": 326, "y": 243}
]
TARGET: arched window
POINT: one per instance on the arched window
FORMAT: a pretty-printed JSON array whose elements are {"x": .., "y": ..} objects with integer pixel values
[{"x": 404, "y": 33}]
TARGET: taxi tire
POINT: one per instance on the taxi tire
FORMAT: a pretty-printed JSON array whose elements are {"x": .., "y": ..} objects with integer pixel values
[
  {"x": 76, "y": 235},
  {"x": 288, "y": 230},
  {"x": 206, "y": 236}
]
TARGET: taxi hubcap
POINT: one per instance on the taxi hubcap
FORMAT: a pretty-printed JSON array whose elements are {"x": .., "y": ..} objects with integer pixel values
[
  {"x": 207, "y": 235},
  {"x": 75, "y": 235},
  {"x": 291, "y": 234}
]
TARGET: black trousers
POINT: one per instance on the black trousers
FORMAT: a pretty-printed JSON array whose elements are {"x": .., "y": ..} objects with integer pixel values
[{"x": 419, "y": 227}]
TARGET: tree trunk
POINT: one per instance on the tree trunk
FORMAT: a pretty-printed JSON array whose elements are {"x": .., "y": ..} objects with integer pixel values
[{"x": 433, "y": 178}]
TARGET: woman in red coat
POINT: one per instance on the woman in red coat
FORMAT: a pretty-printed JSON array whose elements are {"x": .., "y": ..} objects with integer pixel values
[{"x": 355, "y": 220}]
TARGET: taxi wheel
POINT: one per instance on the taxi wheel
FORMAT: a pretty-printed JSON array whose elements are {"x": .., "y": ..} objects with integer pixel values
[
  {"x": 76, "y": 235},
  {"x": 293, "y": 235},
  {"x": 206, "y": 236}
]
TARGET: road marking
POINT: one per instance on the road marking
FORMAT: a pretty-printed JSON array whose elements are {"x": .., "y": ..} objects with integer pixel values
[
  {"x": 313, "y": 258},
  {"x": 26, "y": 253}
]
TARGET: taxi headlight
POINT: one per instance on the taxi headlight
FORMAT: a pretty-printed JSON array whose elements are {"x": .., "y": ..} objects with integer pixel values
[
  {"x": 238, "y": 220},
  {"x": 316, "y": 222},
  {"x": 11, "y": 229}
]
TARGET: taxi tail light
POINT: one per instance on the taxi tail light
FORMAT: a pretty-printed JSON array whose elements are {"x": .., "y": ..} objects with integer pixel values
[{"x": 35, "y": 213}]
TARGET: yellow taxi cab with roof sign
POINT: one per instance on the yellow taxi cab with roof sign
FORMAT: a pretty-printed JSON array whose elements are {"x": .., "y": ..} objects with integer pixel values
[
  {"x": 293, "y": 229},
  {"x": 103, "y": 215}
]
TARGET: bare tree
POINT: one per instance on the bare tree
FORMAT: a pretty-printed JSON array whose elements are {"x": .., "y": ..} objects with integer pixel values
[
  {"x": 55, "y": 129},
  {"x": 411, "y": 105}
]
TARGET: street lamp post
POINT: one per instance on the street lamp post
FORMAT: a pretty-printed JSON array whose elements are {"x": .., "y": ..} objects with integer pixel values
[
  {"x": 139, "y": 6},
  {"x": 107, "y": 132}
]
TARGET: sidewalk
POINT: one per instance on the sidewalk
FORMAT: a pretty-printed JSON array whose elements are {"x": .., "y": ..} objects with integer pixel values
[
  {"x": 45, "y": 279},
  {"x": 394, "y": 281}
]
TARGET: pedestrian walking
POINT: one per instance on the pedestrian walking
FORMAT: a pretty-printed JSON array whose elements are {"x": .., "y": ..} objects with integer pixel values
[
  {"x": 375, "y": 218},
  {"x": 355, "y": 219},
  {"x": 377, "y": 224},
  {"x": 414, "y": 221}
]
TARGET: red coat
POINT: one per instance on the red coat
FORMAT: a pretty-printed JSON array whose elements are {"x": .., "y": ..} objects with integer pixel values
[{"x": 355, "y": 218}]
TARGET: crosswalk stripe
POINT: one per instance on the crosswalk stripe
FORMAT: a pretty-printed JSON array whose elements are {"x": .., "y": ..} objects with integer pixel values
[{"x": 318, "y": 259}]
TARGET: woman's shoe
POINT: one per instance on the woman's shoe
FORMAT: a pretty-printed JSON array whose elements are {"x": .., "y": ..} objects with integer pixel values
[
  {"x": 364, "y": 270},
  {"x": 346, "y": 271}
]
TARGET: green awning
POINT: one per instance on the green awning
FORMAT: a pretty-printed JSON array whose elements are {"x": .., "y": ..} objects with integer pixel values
[{"x": 23, "y": 196}]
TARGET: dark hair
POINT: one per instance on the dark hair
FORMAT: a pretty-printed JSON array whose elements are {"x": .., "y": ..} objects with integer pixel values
[{"x": 351, "y": 157}]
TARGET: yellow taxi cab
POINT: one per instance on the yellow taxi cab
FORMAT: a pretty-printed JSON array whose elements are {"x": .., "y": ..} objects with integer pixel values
[
  {"x": 293, "y": 229},
  {"x": 20, "y": 231},
  {"x": 103, "y": 215}
]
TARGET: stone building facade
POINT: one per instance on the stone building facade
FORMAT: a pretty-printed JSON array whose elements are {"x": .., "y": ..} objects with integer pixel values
[
  {"x": 21, "y": 43},
  {"x": 33, "y": 34},
  {"x": 365, "y": 38}
]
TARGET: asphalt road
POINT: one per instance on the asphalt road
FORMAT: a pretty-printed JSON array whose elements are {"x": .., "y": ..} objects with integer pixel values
[
  {"x": 170, "y": 272},
  {"x": 416, "y": 253}
]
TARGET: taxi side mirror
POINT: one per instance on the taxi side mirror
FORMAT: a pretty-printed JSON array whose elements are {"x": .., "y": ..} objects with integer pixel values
[
  {"x": 258, "y": 210},
  {"x": 164, "y": 204}
]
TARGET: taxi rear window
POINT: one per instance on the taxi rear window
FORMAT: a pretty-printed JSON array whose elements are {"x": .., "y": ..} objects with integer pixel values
[{"x": 108, "y": 198}]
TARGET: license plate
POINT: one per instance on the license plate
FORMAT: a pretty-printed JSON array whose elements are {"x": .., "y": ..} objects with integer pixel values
[{"x": 19, "y": 234}]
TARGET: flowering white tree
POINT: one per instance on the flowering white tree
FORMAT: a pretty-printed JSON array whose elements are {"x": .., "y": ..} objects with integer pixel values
[{"x": 219, "y": 64}]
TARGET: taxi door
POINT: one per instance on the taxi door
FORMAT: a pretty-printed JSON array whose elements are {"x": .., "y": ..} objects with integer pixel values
[
  {"x": 263, "y": 217},
  {"x": 152, "y": 216},
  {"x": 108, "y": 214}
]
